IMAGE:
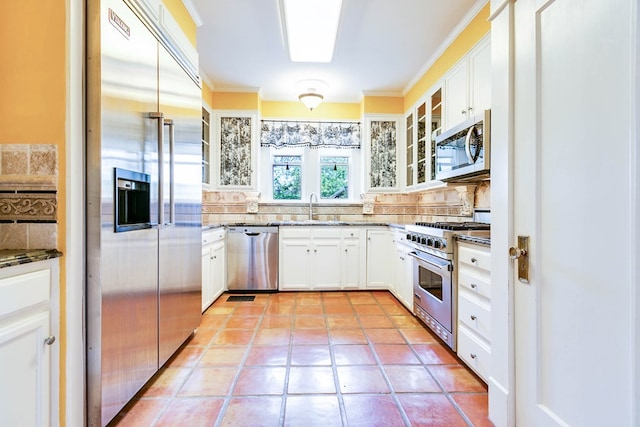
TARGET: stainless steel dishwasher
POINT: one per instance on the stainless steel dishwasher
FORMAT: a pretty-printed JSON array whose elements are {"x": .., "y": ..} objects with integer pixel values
[{"x": 252, "y": 258}]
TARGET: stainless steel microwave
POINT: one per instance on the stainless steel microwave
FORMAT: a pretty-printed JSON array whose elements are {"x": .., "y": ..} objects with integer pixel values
[{"x": 464, "y": 151}]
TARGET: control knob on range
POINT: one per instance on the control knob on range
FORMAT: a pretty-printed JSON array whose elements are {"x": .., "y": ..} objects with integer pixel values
[
  {"x": 437, "y": 243},
  {"x": 429, "y": 241},
  {"x": 423, "y": 240},
  {"x": 443, "y": 244}
]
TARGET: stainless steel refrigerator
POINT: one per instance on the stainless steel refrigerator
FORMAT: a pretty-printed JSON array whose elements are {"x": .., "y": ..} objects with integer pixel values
[{"x": 144, "y": 197}]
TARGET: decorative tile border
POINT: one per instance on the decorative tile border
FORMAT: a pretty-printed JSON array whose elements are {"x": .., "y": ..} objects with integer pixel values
[
  {"x": 28, "y": 196},
  {"x": 28, "y": 207}
]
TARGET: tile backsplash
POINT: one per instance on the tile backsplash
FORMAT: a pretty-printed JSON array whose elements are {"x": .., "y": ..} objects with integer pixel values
[
  {"x": 454, "y": 202},
  {"x": 28, "y": 196}
]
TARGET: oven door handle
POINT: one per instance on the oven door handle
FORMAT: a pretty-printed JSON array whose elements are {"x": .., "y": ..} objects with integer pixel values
[{"x": 419, "y": 258}]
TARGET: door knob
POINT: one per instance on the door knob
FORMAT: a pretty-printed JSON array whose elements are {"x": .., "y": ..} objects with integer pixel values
[
  {"x": 521, "y": 253},
  {"x": 49, "y": 340},
  {"x": 515, "y": 253}
]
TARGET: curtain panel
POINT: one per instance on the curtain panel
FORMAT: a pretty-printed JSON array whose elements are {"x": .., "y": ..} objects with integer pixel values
[{"x": 281, "y": 134}]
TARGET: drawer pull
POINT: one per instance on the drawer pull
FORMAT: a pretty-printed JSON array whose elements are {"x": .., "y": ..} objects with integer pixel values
[
  {"x": 50, "y": 340},
  {"x": 474, "y": 286},
  {"x": 474, "y": 260},
  {"x": 473, "y": 317},
  {"x": 473, "y": 355}
]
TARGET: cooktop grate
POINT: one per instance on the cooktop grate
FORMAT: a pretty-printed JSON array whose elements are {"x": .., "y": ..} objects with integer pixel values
[{"x": 235, "y": 298}]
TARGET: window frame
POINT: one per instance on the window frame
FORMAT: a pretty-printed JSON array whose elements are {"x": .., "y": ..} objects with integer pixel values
[{"x": 310, "y": 172}]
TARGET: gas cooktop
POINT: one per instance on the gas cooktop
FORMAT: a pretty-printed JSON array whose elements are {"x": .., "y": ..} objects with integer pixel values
[
  {"x": 456, "y": 225},
  {"x": 437, "y": 238}
]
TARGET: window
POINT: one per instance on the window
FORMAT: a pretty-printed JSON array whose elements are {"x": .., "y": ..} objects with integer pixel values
[
  {"x": 287, "y": 177},
  {"x": 292, "y": 174},
  {"x": 334, "y": 177}
]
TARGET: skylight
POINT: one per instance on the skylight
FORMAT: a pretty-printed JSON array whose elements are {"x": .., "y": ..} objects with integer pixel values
[{"x": 311, "y": 28}]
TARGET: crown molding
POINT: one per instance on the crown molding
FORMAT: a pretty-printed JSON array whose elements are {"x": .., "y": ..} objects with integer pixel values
[
  {"x": 464, "y": 22},
  {"x": 193, "y": 12}
]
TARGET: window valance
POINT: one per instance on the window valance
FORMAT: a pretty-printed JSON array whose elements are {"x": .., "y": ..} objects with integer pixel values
[{"x": 281, "y": 134}]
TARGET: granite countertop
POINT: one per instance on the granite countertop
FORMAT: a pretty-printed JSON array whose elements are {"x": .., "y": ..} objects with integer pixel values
[
  {"x": 12, "y": 257},
  {"x": 302, "y": 223}
]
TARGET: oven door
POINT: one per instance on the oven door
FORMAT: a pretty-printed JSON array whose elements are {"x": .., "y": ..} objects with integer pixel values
[{"x": 433, "y": 293}]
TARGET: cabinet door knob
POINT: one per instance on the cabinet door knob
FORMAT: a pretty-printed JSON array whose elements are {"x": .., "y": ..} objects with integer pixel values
[
  {"x": 474, "y": 286},
  {"x": 463, "y": 112},
  {"x": 307, "y": 250},
  {"x": 474, "y": 260},
  {"x": 473, "y": 355},
  {"x": 346, "y": 250},
  {"x": 473, "y": 317},
  {"x": 50, "y": 340}
]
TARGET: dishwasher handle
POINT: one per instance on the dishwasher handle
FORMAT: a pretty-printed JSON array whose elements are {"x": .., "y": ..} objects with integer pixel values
[{"x": 251, "y": 234}]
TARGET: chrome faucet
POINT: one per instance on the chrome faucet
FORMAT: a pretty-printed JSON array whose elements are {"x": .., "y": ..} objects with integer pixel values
[{"x": 311, "y": 197}]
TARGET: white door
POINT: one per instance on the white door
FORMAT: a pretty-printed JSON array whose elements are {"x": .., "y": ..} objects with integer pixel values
[{"x": 574, "y": 189}]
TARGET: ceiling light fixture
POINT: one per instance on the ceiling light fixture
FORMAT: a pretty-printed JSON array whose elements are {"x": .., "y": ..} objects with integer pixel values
[
  {"x": 310, "y": 100},
  {"x": 311, "y": 92},
  {"x": 311, "y": 29}
]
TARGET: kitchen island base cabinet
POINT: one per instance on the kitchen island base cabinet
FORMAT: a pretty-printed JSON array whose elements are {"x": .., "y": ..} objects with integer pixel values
[
  {"x": 319, "y": 258},
  {"x": 474, "y": 307},
  {"x": 26, "y": 345}
]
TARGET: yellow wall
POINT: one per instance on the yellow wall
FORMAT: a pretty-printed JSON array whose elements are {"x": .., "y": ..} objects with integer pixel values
[
  {"x": 33, "y": 103},
  {"x": 477, "y": 28},
  {"x": 181, "y": 15},
  {"x": 296, "y": 110},
  {"x": 383, "y": 105},
  {"x": 324, "y": 111},
  {"x": 207, "y": 94},
  {"x": 32, "y": 72},
  {"x": 235, "y": 101}
]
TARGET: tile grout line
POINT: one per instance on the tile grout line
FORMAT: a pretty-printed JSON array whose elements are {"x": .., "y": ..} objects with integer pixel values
[{"x": 296, "y": 302}]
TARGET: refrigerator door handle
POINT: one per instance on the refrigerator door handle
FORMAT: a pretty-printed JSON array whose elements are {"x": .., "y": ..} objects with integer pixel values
[
  {"x": 172, "y": 210},
  {"x": 159, "y": 116}
]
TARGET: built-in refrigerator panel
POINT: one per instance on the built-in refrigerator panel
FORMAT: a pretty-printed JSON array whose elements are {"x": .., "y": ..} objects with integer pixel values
[{"x": 180, "y": 272}]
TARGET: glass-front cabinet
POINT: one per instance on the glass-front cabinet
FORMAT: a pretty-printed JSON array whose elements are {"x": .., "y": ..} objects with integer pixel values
[
  {"x": 436, "y": 129},
  {"x": 410, "y": 151},
  {"x": 206, "y": 146},
  {"x": 423, "y": 124}
]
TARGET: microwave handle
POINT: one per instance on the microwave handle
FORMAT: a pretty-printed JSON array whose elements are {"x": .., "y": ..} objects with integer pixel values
[{"x": 467, "y": 145}]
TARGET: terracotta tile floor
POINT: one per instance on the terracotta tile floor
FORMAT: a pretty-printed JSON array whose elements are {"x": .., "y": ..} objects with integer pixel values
[{"x": 311, "y": 359}]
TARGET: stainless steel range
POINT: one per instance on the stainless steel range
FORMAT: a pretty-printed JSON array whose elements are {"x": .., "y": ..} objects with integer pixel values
[{"x": 433, "y": 287}]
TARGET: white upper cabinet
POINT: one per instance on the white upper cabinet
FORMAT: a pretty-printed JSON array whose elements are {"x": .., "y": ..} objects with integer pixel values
[
  {"x": 467, "y": 86},
  {"x": 423, "y": 122}
]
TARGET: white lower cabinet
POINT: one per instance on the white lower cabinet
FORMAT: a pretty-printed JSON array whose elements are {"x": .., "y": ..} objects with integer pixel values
[
  {"x": 474, "y": 306},
  {"x": 320, "y": 258},
  {"x": 214, "y": 265},
  {"x": 403, "y": 286},
  {"x": 25, "y": 345},
  {"x": 380, "y": 259}
]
